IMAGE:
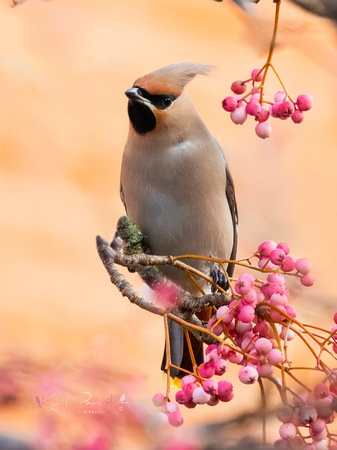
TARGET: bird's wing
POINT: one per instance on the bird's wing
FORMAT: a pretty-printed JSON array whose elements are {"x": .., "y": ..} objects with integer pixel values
[
  {"x": 230, "y": 194},
  {"x": 122, "y": 197}
]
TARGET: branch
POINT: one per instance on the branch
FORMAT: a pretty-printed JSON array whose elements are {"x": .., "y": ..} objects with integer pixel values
[{"x": 183, "y": 306}]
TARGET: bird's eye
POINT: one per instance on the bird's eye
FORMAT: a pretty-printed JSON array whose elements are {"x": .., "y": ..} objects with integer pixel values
[{"x": 167, "y": 102}]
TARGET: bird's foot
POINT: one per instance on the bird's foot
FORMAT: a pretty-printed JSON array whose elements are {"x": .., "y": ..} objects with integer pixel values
[{"x": 220, "y": 279}]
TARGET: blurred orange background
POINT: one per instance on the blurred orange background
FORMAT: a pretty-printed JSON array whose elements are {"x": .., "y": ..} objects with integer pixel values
[{"x": 64, "y": 66}]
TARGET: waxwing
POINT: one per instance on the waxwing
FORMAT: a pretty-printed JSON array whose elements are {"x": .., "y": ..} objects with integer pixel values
[{"x": 176, "y": 185}]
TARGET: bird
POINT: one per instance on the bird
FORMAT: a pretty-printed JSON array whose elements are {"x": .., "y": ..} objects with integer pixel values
[{"x": 176, "y": 186}]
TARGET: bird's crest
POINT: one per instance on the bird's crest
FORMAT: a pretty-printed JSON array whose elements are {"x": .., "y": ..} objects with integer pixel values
[{"x": 173, "y": 78}]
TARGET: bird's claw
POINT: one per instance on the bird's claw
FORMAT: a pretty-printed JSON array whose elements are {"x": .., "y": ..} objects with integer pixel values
[{"x": 220, "y": 279}]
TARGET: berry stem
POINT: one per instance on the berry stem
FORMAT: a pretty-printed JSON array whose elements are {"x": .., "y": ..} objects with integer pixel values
[
  {"x": 190, "y": 349},
  {"x": 264, "y": 411},
  {"x": 190, "y": 277},
  {"x": 271, "y": 48}
]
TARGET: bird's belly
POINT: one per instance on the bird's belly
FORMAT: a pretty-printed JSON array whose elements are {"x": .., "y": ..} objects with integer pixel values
[{"x": 192, "y": 228}]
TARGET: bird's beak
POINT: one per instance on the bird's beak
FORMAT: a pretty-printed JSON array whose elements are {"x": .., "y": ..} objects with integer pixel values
[{"x": 134, "y": 94}]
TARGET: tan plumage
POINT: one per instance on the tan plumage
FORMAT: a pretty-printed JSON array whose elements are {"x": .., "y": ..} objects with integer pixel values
[{"x": 175, "y": 181}]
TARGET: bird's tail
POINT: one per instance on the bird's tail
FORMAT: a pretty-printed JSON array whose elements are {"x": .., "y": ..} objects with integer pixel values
[{"x": 180, "y": 353}]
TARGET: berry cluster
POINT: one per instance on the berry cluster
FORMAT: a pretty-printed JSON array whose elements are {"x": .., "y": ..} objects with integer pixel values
[
  {"x": 272, "y": 256},
  {"x": 313, "y": 411},
  {"x": 253, "y": 104},
  {"x": 251, "y": 329},
  {"x": 195, "y": 391},
  {"x": 169, "y": 411}
]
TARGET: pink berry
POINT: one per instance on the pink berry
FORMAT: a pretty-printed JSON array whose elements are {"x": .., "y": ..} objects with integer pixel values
[
  {"x": 304, "y": 102},
  {"x": 266, "y": 248},
  {"x": 246, "y": 314},
  {"x": 288, "y": 264},
  {"x": 285, "y": 247},
  {"x": 238, "y": 87},
  {"x": 335, "y": 318},
  {"x": 261, "y": 328},
  {"x": 277, "y": 316},
  {"x": 220, "y": 367},
  {"x": 318, "y": 436},
  {"x": 285, "y": 110},
  {"x": 260, "y": 296},
  {"x": 275, "y": 356},
  {"x": 274, "y": 109},
  {"x": 242, "y": 287},
  {"x": 212, "y": 356},
  {"x": 225, "y": 387},
  {"x": 279, "y": 298},
  {"x": 235, "y": 357},
  {"x": 263, "y": 130},
  {"x": 248, "y": 375},
  {"x": 263, "y": 346},
  {"x": 190, "y": 404},
  {"x": 187, "y": 380},
  {"x": 303, "y": 266},
  {"x": 333, "y": 329},
  {"x": 159, "y": 420},
  {"x": 251, "y": 297},
  {"x": 217, "y": 329},
  {"x": 170, "y": 407},
  {"x": 247, "y": 344},
  {"x": 210, "y": 387},
  {"x": 214, "y": 400},
  {"x": 210, "y": 348},
  {"x": 244, "y": 329},
  {"x": 181, "y": 397},
  {"x": 225, "y": 310},
  {"x": 229, "y": 103},
  {"x": 277, "y": 278},
  {"x": 263, "y": 116},
  {"x": 248, "y": 277},
  {"x": 321, "y": 390},
  {"x": 226, "y": 398},
  {"x": 266, "y": 264},
  {"x": 223, "y": 351},
  {"x": 254, "y": 360},
  {"x": 307, "y": 280},
  {"x": 270, "y": 288},
  {"x": 176, "y": 418},
  {"x": 256, "y": 96},
  {"x": 307, "y": 414},
  {"x": 317, "y": 425},
  {"x": 239, "y": 115},
  {"x": 206, "y": 370},
  {"x": 189, "y": 389},
  {"x": 287, "y": 334},
  {"x": 253, "y": 108},
  {"x": 265, "y": 370},
  {"x": 255, "y": 72},
  {"x": 287, "y": 431},
  {"x": 297, "y": 116},
  {"x": 277, "y": 256},
  {"x": 158, "y": 399},
  {"x": 199, "y": 396},
  {"x": 285, "y": 413},
  {"x": 280, "y": 96},
  {"x": 290, "y": 310}
]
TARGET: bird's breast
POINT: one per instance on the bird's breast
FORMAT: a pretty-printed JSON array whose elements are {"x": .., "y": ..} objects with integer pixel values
[{"x": 177, "y": 196}]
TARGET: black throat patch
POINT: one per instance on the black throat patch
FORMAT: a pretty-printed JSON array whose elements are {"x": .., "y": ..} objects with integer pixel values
[{"x": 141, "y": 117}]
